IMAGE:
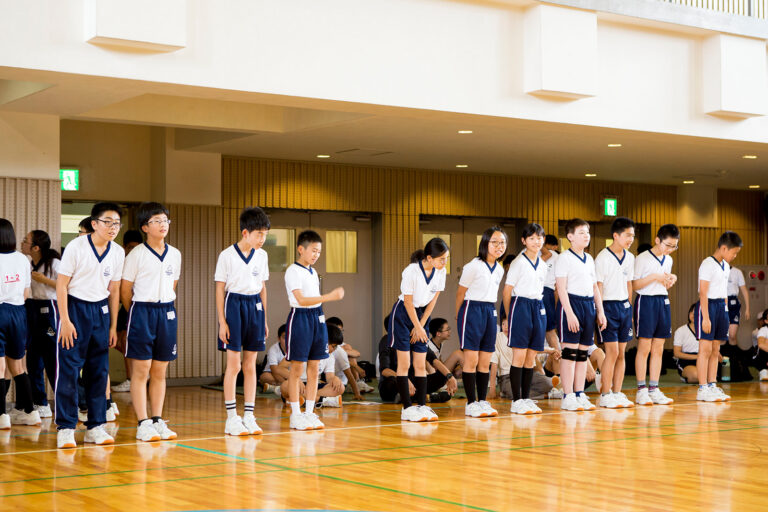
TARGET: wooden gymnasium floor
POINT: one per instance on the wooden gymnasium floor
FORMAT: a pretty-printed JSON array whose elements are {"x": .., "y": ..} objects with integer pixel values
[{"x": 688, "y": 456}]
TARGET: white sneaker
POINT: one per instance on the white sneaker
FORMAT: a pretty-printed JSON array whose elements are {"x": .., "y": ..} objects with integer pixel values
[
  {"x": 123, "y": 387},
  {"x": 19, "y": 417},
  {"x": 555, "y": 393},
  {"x": 5, "y": 422},
  {"x": 763, "y": 375},
  {"x": 331, "y": 401},
  {"x": 642, "y": 397},
  {"x": 609, "y": 401},
  {"x": 364, "y": 387},
  {"x": 44, "y": 411},
  {"x": 659, "y": 398},
  {"x": 413, "y": 413},
  {"x": 585, "y": 403},
  {"x": 249, "y": 422},
  {"x": 428, "y": 412},
  {"x": 235, "y": 427},
  {"x": 704, "y": 394},
  {"x": 532, "y": 406},
  {"x": 115, "y": 409},
  {"x": 719, "y": 393},
  {"x": 65, "y": 438},
  {"x": 488, "y": 410},
  {"x": 82, "y": 416},
  {"x": 97, "y": 435},
  {"x": 622, "y": 400},
  {"x": 571, "y": 403},
  {"x": 314, "y": 421},
  {"x": 521, "y": 407},
  {"x": 473, "y": 410},
  {"x": 300, "y": 421},
  {"x": 146, "y": 432},
  {"x": 162, "y": 428},
  {"x": 111, "y": 415}
]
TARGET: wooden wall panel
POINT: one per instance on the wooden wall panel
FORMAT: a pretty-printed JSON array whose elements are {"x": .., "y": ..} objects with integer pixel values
[
  {"x": 742, "y": 211},
  {"x": 32, "y": 204}
]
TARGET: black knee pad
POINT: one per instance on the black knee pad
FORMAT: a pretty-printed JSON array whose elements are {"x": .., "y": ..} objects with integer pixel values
[
  {"x": 581, "y": 355},
  {"x": 570, "y": 354}
]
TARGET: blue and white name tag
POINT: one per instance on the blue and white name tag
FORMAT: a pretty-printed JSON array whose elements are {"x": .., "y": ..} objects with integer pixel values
[
  {"x": 171, "y": 315},
  {"x": 543, "y": 311},
  {"x": 626, "y": 305},
  {"x": 494, "y": 313},
  {"x": 733, "y": 302},
  {"x": 321, "y": 318},
  {"x": 105, "y": 309},
  {"x": 259, "y": 306},
  {"x": 666, "y": 301},
  {"x": 44, "y": 310}
]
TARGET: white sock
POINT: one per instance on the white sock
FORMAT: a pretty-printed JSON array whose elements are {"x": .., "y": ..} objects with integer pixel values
[
  {"x": 295, "y": 408},
  {"x": 231, "y": 408},
  {"x": 309, "y": 406}
]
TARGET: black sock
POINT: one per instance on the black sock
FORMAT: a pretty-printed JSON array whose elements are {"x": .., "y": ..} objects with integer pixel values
[
  {"x": 420, "y": 383},
  {"x": 405, "y": 392},
  {"x": 526, "y": 384},
  {"x": 24, "y": 392},
  {"x": 515, "y": 379},
  {"x": 2, "y": 395},
  {"x": 482, "y": 385},
  {"x": 155, "y": 419},
  {"x": 7, "y": 385},
  {"x": 109, "y": 403},
  {"x": 469, "y": 386}
]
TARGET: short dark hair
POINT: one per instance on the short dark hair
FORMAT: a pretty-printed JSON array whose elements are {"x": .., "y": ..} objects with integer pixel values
[
  {"x": 7, "y": 236},
  {"x": 551, "y": 240},
  {"x": 335, "y": 336},
  {"x": 644, "y": 247},
  {"x": 308, "y": 237},
  {"x": 100, "y": 208},
  {"x": 334, "y": 320},
  {"x": 434, "y": 248},
  {"x": 435, "y": 325},
  {"x": 690, "y": 309},
  {"x": 572, "y": 225},
  {"x": 148, "y": 210},
  {"x": 621, "y": 224},
  {"x": 386, "y": 322},
  {"x": 668, "y": 231},
  {"x": 730, "y": 239},
  {"x": 85, "y": 225},
  {"x": 508, "y": 259},
  {"x": 132, "y": 236},
  {"x": 281, "y": 330},
  {"x": 253, "y": 219},
  {"x": 485, "y": 239},
  {"x": 532, "y": 229}
]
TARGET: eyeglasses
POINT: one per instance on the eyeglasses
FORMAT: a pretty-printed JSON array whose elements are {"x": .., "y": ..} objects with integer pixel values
[
  {"x": 497, "y": 243},
  {"x": 447, "y": 329},
  {"x": 110, "y": 223},
  {"x": 673, "y": 247},
  {"x": 160, "y": 222}
]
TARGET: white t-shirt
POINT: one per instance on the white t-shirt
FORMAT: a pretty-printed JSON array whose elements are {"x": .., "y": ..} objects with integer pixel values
[
  {"x": 242, "y": 274},
  {"x": 527, "y": 277},
  {"x": 735, "y": 281},
  {"x": 299, "y": 277},
  {"x": 326, "y": 365},
  {"x": 415, "y": 282},
  {"x": 614, "y": 273},
  {"x": 686, "y": 340},
  {"x": 580, "y": 272},
  {"x": 481, "y": 280},
  {"x": 759, "y": 333},
  {"x": 40, "y": 291},
  {"x": 341, "y": 363},
  {"x": 152, "y": 274},
  {"x": 550, "y": 281},
  {"x": 90, "y": 274},
  {"x": 716, "y": 272},
  {"x": 15, "y": 277},
  {"x": 275, "y": 354},
  {"x": 502, "y": 356},
  {"x": 646, "y": 263}
]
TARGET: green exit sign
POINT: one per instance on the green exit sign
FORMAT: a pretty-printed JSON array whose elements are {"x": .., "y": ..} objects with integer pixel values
[
  {"x": 610, "y": 207},
  {"x": 70, "y": 179}
]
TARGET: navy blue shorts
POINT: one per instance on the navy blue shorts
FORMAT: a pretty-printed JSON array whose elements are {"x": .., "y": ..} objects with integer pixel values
[
  {"x": 527, "y": 323},
  {"x": 584, "y": 309},
  {"x": 13, "y": 331},
  {"x": 618, "y": 313},
  {"x": 152, "y": 330},
  {"x": 551, "y": 307},
  {"x": 734, "y": 309},
  {"x": 477, "y": 326},
  {"x": 653, "y": 317},
  {"x": 718, "y": 317},
  {"x": 306, "y": 335},
  {"x": 245, "y": 318},
  {"x": 400, "y": 327}
]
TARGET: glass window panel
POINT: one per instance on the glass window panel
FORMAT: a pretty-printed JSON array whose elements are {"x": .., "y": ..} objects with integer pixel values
[
  {"x": 341, "y": 252},
  {"x": 280, "y": 246}
]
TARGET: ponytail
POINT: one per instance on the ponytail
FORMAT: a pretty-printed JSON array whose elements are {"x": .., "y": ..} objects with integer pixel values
[
  {"x": 41, "y": 240},
  {"x": 434, "y": 248}
]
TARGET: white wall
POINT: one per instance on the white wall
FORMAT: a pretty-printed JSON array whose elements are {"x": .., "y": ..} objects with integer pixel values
[{"x": 29, "y": 145}]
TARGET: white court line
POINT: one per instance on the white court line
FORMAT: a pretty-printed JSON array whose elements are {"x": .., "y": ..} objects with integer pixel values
[{"x": 360, "y": 427}]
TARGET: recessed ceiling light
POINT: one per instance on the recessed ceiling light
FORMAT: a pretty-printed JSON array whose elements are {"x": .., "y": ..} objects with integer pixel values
[
  {"x": 614, "y": 145},
  {"x": 590, "y": 175},
  {"x": 688, "y": 182},
  {"x": 323, "y": 156},
  {"x": 749, "y": 157},
  {"x": 465, "y": 131},
  {"x": 462, "y": 166},
  {"x": 754, "y": 186}
]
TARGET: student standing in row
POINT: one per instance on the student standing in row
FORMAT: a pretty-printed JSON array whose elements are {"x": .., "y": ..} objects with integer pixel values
[
  {"x": 421, "y": 284},
  {"x": 580, "y": 305},
  {"x": 615, "y": 267},
  {"x": 148, "y": 290},
  {"x": 736, "y": 284},
  {"x": 241, "y": 307},
  {"x": 653, "y": 318},
  {"x": 711, "y": 315},
  {"x": 549, "y": 256},
  {"x": 476, "y": 319},
  {"x": 527, "y": 317},
  {"x": 87, "y": 290}
]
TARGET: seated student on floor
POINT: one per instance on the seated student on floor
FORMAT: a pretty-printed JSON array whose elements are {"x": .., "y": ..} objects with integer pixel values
[
  {"x": 353, "y": 355},
  {"x": 386, "y": 369},
  {"x": 274, "y": 373},
  {"x": 438, "y": 377},
  {"x": 440, "y": 332},
  {"x": 686, "y": 350},
  {"x": 760, "y": 342},
  {"x": 329, "y": 386},
  {"x": 342, "y": 367}
]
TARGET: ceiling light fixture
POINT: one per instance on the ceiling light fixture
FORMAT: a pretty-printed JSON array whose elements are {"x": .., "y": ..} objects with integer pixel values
[
  {"x": 754, "y": 186},
  {"x": 590, "y": 175},
  {"x": 461, "y": 166},
  {"x": 323, "y": 156},
  {"x": 749, "y": 157},
  {"x": 464, "y": 132},
  {"x": 614, "y": 145},
  {"x": 688, "y": 182}
]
